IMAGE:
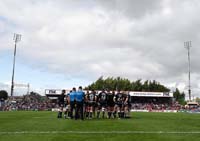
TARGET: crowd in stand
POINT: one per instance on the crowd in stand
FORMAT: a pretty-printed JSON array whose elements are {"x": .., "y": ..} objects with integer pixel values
[
  {"x": 154, "y": 106},
  {"x": 34, "y": 106},
  {"x": 155, "y": 103},
  {"x": 31, "y": 102}
]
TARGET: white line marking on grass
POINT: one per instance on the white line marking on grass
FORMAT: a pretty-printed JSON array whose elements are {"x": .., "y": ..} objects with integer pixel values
[{"x": 102, "y": 132}]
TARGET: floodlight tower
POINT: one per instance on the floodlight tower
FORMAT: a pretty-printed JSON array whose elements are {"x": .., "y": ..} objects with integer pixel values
[
  {"x": 16, "y": 38},
  {"x": 188, "y": 45}
]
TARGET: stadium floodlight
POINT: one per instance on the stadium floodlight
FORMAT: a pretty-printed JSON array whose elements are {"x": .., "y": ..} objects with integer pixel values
[
  {"x": 188, "y": 45},
  {"x": 16, "y": 38}
]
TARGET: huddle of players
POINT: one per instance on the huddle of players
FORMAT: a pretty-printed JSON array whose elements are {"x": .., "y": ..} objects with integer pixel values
[
  {"x": 94, "y": 104},
  {"x": 106, "y": 101}
]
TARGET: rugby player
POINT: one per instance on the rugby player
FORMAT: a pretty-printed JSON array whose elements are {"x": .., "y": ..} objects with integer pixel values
[
  {"x": 120, "y": 104},
  {"x": 61, "y": 103},
  {"x": 86, "y": 105},
  {"x": 102, "y": 100},
  {"x": 127, "y": 105},
  {"x": 91, "y": 99},
  {"x": 67, "y": 107},
  {"x": 110, "y": 103}
]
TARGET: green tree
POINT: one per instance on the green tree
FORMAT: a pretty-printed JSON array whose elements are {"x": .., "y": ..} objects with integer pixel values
[
  {"x": 119, "y": 83},
  {"x": 3, "y": 94},
  {"x": 180, "y": 97},
  {"x": 198, "y": 100},
  {"x": 145, "y": 86},
  {"x": 137, "y": 85}
]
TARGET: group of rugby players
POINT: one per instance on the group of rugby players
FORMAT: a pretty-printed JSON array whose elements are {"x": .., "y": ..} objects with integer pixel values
[{"x": 93, "y": 104}]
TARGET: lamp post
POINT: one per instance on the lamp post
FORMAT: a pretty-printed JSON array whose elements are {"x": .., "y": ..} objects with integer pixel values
[
  {"x": 16, "y": 38},
  {"x": 188, "y": 45}
]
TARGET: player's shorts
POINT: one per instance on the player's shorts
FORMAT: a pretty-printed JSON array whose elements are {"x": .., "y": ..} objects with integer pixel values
[
  {"x": 115, "y": 104},
  {"x": 129, "y": 105},
  {"x": 61, "y": 104},
  {"x": 103, "y": 104},
  {"x": 125, "y": 103},
  {"x": 110, "y": 104},
  {"x": 67, "y": 107},
  {"x": 96, "y": 104},
  {"x": 90, "y": 104},
  {"x": 119, "y": 105},
  {"x": 86, "y": 104}
]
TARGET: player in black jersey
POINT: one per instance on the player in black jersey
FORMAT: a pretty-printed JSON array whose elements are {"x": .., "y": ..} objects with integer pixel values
[
  {"x": 119, "y": 100},
  {"x": 110, "y": 103},
  {"x": 115, "y": 106},
  {"x": 67, "y": 107},
  {"x": 86, "y": 105},
  {"x": 102, "y": 103},
  {"x": 61, "y": 100},
  {"x": 97, "y": 106},
  {"x": 127, "y": 105},
  {"x": 91, "y": 98}
]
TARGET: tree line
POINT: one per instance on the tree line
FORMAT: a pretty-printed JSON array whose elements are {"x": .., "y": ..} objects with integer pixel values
[
  {"x": 123, "y": 84},
  {"x": 118, "y": 83}
]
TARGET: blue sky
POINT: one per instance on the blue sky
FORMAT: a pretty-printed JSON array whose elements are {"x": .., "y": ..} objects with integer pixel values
[
  {"x": 37, "y": 78},
  {"x": 69, "y": 43}
]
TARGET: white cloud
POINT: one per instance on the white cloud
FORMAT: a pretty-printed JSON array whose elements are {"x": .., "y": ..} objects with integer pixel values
[{"x": 133, "y": 39}]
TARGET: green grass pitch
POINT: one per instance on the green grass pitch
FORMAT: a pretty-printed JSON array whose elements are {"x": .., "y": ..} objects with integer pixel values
[{"x": 34, "y": 126}]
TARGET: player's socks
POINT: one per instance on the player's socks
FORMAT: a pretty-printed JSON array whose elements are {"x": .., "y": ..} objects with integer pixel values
[
  {"x": 114, "y": 114},
  {"x": 60, "y": 114},
  {"x": 65, "y": 114},
  {"x": 98, "y": 114},
  {"x": 87, "y": 114},
  {"x": 90, "y": 114},
  {"x": 122, "y": 114},
  {"x": 103, "y": 114},
  {"x": 109, "y": 114},
  {"x": 126, "y": 114},
  {"x": 68, "y": 114},
  {"x": 119, "y": 114}
]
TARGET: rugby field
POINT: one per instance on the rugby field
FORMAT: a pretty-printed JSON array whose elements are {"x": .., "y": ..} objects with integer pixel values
[{"x": 34, "y": 126}]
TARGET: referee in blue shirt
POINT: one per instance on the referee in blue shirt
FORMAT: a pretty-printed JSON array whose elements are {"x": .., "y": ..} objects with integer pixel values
[
  {"x": 79, "y": 103},
  {"x": 72, "y": 101}
]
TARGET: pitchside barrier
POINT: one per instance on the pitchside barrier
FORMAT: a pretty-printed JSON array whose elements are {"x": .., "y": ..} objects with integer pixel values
[{"x": 165, "y": 111}]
